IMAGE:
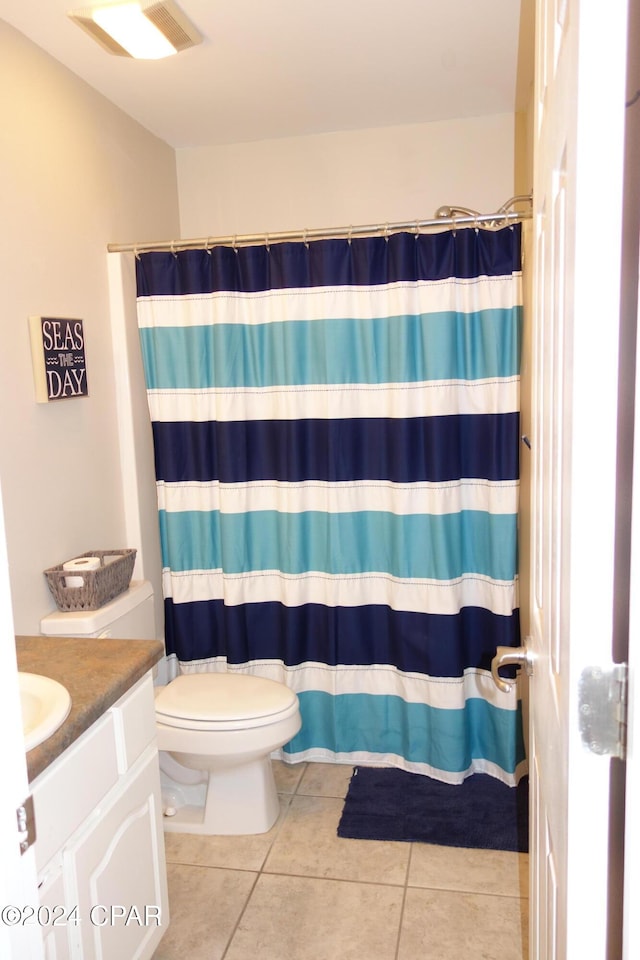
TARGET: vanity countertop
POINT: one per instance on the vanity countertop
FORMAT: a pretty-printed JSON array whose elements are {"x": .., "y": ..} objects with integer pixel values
[{"x": 96, "y": 674}]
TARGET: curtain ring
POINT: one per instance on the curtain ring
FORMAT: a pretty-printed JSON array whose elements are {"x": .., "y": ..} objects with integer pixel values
[
  {"x": 235, "y": 244},
  {"x": 173, "y": 252},
  {"x": 417, "y": 229},
  {"x": 304, "y": 238},
  {"x": 266, "y": 242},
  {"x": 453, "y": 224},
  {"x": 350, "y": 235},
  {"x": 135, "y": 253},
  {"x": 206, "y": 247},
  {"x": 386, "y": 232}
]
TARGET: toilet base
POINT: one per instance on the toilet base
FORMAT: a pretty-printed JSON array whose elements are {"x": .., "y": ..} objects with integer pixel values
[{"x": 233, "y": 801}]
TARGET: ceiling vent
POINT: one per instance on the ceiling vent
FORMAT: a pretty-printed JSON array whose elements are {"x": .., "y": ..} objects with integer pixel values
[{"x": 119, "y": 28}]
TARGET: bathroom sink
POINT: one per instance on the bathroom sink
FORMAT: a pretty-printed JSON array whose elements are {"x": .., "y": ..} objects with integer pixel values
[{"x": 45, "y": 707}]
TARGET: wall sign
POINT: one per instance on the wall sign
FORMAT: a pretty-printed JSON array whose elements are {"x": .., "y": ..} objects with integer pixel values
[{"x": 59, "y": 365}]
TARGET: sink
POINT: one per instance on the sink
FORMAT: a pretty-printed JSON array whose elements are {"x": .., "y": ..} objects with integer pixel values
[{"x": 45, "y": 707}]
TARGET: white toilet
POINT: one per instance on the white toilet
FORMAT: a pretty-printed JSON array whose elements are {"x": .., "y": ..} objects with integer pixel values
[{"x": 216, "y": 731}]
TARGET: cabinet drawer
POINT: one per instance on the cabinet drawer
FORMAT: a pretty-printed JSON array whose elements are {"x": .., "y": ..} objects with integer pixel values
[
  {"x": 68, "y": 791},
  {"x": 135, "y": 722}
]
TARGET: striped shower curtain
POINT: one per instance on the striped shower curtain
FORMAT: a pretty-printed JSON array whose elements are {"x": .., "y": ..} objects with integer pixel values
[{"x": 336, "y": 435}]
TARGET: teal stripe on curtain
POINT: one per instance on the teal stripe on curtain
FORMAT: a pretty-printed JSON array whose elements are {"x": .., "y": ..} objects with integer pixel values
[
  {"x": 446, "y": 740},
  {"x": 398, "y": 349},
  {"x": 440, "y": 547}
]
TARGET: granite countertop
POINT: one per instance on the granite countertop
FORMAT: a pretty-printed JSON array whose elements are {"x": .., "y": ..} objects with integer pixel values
[{"x": 95, "y": 672}]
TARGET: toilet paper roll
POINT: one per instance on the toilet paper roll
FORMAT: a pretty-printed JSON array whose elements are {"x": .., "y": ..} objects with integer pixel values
[{"x": 79, "y": 564}]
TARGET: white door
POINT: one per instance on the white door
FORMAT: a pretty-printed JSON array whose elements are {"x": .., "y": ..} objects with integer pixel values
[
  {"x": 19, "y": 939},
  {"x": 631, "y": 941},
  {"x": 578, "y": 167}
]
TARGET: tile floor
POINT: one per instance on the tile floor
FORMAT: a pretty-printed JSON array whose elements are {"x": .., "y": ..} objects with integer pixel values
[{"x": 300, "y": 892}]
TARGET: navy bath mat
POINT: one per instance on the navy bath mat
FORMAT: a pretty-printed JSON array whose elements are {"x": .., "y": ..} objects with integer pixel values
[{"x": 390, "y": 804}]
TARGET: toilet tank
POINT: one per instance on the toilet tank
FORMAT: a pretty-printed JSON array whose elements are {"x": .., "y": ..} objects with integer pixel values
[{"x": 130, "y": 616}]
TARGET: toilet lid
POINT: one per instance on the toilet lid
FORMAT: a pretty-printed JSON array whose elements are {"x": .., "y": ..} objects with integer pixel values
[{"x": 214, "y": 697}]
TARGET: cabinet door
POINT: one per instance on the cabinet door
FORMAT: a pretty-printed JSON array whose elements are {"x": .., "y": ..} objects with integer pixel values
[
  {"x": 117, "y": 868},
  {"x": 57, "y": 932},
  {"x": 71, "y": 788}
]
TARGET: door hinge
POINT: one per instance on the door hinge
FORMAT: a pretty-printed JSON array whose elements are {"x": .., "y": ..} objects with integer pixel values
[
  {"x": 26, "y": 824},
  {"x": 602, "y": 699}
]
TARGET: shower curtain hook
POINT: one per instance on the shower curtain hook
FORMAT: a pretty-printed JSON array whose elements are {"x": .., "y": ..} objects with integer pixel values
[
  {"x": 266, "y": 242},
  {"x": 350, "y": 234},
  {"x": 417, "y": 229},
  {"x": 453, "y": 224},
  {"x": 235, "y": 244},
  {"x": 135, "y": 253},
  {"x": 206, "y": 246},
  {"x": 304, "y": 238},
  {"x": 386, "y": 232},
  {"x": 173, "y": 252}
]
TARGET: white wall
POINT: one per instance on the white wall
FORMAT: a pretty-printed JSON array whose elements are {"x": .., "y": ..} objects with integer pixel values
[
  {"x": 134, "y": 432},
  {"x": 390, "y": 174},
  {"x": 76, "y": 173}
]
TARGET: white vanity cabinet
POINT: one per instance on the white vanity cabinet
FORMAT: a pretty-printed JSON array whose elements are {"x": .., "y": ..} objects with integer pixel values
[{"x": 99, "y": 840}]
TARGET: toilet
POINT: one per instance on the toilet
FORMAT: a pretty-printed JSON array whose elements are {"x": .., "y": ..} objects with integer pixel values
[{"x": 216, "y": 731}]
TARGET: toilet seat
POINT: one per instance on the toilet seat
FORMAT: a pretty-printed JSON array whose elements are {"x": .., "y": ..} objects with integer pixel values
[{"x": 223, "y": 701}]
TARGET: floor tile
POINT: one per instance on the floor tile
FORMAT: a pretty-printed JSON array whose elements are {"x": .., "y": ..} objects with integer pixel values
[
  {"x": 325, "y": 780},
  {"x": 341, "y": 899},
  {"x": 245, "y": 852},
  {"x": 474, "y": 871},
  {"x": 444, "y": 925},
  {"x": 287, "y": 775},
  {"x": 308, "y": 845},
  {"x": 297, "y": 918},
  {"x": 205, "y": 905}
]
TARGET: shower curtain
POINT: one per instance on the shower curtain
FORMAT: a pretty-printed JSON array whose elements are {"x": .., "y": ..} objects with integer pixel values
[{"x": 336, "y": 437}]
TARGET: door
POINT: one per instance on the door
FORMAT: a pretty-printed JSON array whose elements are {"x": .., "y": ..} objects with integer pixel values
[
  {"x": 631, "y": 893},
  {"x": 578, "y": 166},
  {"x": 18, "y": 940}
]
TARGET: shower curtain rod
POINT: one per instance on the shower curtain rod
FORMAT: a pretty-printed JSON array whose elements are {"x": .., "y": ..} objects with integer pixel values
[{"x": 451, "y": 217}]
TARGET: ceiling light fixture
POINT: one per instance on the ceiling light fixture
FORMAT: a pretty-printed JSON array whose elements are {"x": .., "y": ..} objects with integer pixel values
[{"x": 144, "y": 29}]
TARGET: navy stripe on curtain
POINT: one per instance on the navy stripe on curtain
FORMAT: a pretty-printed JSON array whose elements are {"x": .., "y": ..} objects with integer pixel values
[
  {"x": 372, "y": 261},
  {"x": 440, "y": 646},
  {"x": 432, "y": 449}
]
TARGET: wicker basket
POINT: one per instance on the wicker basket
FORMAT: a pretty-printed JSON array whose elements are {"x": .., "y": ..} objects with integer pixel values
[{"x": 99, "y": 586}]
